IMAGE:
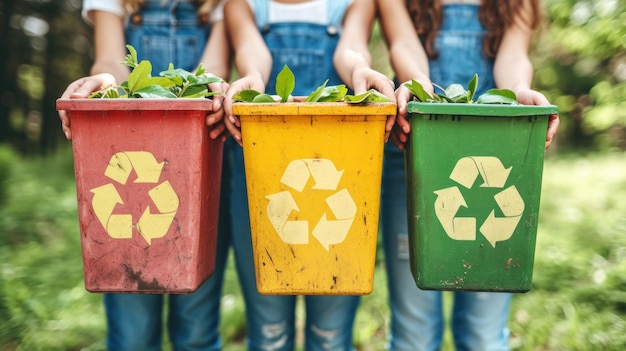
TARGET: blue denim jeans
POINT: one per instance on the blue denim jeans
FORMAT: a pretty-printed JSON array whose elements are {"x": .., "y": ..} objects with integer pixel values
[
  {"x": 479, "y": 319},
  {"x": 168, "y": 33},
  {"x": 272, "y": 319}
]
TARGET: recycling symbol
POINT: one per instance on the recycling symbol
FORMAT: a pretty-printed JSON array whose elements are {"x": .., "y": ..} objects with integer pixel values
[
  {"x": 326, "y": 177},
  {"x": 151, "y": 225},
  {"x": 494, "y": 175}
]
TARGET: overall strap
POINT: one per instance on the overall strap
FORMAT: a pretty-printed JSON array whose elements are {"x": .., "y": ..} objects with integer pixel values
[
  {"x": 337, "y": 11},
  {"x": 171, "y": 5},
  {"x": 261, "y": 13}
]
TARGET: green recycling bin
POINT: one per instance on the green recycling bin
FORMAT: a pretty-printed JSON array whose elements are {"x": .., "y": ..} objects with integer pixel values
[{"x": 473, "y": 189}]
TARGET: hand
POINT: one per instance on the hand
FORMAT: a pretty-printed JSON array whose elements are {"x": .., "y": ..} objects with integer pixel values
[
  {"x": 553, "y": 126},
  {"x": 364, "y": 79},
  {"x": 399, "y": 137},
  {"x": 81, "y": 89},
  {"x": 531, "y": 97},
  {"x": 215, "y": 118},
  {"x": 400, "y": 134},
  {"x": 232, "y": 122}
]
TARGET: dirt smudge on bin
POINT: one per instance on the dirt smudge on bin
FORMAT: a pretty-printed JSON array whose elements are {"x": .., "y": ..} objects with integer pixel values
[
  {"x": 142, "y": 285},
  {"x": 507, "y": 266}
]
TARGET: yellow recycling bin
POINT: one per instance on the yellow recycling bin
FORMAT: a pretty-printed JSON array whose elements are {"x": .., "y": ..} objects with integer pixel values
[{"x": 313, "y": 175}]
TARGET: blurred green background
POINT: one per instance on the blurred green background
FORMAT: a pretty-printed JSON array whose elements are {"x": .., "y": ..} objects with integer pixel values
[{"x": 578, "y": 299}]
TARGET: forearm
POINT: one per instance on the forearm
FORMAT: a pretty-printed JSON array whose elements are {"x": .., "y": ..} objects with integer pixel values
[
  {"x": 512, "y": 67},
  {"x": 352, "y": 52},
  {"x": 252, "y": 57},
  {"x": 119, "y": 71},
  {"x": 216, "y": 56},
  {"x": 348, "y": 61},
  {"x": 409, "y": 61},
  {"x": 513, "y": 71},
  {"x": 255, "y": 63},
  {"x": 109, "y": 45},
  {"x": 406, "y": 54}
]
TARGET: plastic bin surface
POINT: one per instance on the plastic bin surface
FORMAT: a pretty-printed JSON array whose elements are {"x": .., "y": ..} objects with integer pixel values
[
  {"x": 313, "y": 173},
  {"x": 473, "y": 190},
  {"x": 148, "y": 187}
]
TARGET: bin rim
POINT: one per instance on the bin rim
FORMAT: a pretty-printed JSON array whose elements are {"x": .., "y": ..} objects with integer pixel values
[
  {"x": 487, "y": 110},
  {"x": 147, "y": 104},
  {"x": 314, "y": 108}
]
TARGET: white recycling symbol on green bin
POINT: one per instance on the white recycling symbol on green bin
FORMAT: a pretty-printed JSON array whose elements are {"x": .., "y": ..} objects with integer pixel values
[
  {"x": 326, "y": 176},
  {"x": 494, "y": 175}
]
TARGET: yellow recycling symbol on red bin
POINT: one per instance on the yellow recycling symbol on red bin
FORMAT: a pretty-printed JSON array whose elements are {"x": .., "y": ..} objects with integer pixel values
[
  {"x": 341, "y": 205},
  {"x": 151, "y": 225},
  {"x": 494, "y": 175}
]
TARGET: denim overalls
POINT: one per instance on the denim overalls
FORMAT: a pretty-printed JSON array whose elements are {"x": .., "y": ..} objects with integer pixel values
[
  {"x": 164, "y": 33},
  {"x": 168, "y": 33},
  {"x": 271, "y": 320},
  {"x": 479, "y": 320},
  {"x": 307, "y": 48}
]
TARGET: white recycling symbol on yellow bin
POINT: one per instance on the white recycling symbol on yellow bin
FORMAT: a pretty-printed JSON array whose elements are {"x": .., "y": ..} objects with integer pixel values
[
  {"x": 494, "y": 175},
  {"x": 326, "y": 177},
  {"x": 150, "y": 225}
]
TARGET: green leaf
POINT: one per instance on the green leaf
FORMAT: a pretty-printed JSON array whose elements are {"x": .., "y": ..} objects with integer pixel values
[
  {"x": 131, "y": 57},
  {"x": 263, "y": 98},
  {"x": 285, "y": 83},
  {"x": 178, "y": 72},
  {"x": 200, "y": 70},
  {"x": 160, "y": 81},
  {"x": 246, "y": 95},
  {"x": 97, "y": 94},
  {"x": 208, "y": 79},
  {"x": 142, "y": 71},
  {"x": 317, "y": 93},
  {"x": 462, "y": 100},
  {"x": 202, "y": 94},
  {"x": 212, "y": 93},
  {"x": 194, "y": 91},
  {"x": 371, "y": 95},
  {"x": 443, "y": 98},
  {"x": 418, "y": 91},
  {"x": 456, "y": 93},
  {"x": 113, "y": 93},
  {"x": 152, "y": 92},
  {"x": 192, "y": 80},
  {"x": 471, "y": 88},
  {"x": 333, "y": 93},
  {"x": 110, "y": 92},
  {"x": 498, "y": 96},
  {"x": 177, "y": 90}
]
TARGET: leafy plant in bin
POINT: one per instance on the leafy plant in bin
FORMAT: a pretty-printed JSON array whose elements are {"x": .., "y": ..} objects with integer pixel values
[
  {"x": 172, "y": 83},
  {"x": 286, "y": 82},
  {"x": 456, "y": 93}
]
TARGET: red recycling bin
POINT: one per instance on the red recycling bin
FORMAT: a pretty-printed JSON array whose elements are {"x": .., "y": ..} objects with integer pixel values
[{"x": 148, "y": 187}]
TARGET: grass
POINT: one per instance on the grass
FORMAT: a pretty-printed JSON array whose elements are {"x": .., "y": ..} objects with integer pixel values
[{"x": 578, "y": 299}]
